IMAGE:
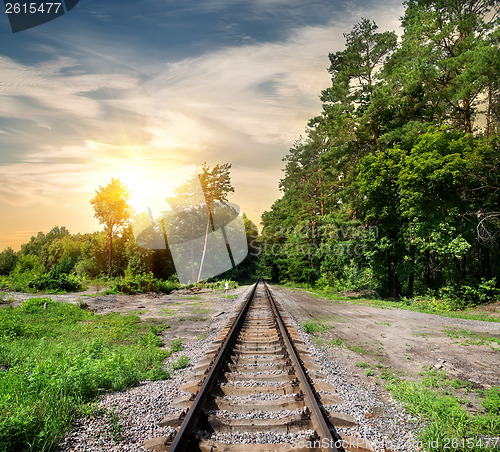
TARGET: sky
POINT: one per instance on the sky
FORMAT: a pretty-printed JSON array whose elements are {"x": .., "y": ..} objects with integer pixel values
[{"x": 137, "y": 89}]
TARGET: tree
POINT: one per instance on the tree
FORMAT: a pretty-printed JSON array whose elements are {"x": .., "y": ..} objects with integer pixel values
[
  {"x": 197, "y": 203},
  {"x": 112, "y": 210},
  {"x": 450, "y": 50},
  {"x": 8, "y": 259}
]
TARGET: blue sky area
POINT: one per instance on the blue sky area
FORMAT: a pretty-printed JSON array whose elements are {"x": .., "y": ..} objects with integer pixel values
[{"x": 134, "y": 89}]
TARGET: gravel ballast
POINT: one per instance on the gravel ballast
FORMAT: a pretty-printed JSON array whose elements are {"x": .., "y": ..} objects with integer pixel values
[{"x": 123, "y": 421}]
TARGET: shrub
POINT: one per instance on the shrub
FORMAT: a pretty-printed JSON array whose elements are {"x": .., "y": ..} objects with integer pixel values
[
  {"x": 140, "y": 283},
  {"x": 464, "y": 295},
  {"x": 176, "y": 345},
  {"x": 166, "y": 286},
  {"x": 181, "y": 363},
  {"x": 313, "y": 327}
]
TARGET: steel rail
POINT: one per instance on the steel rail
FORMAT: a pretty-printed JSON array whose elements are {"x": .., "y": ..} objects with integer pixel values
[
  {"x": 185, "y": 431},
  {"x": 333, "y": 443}
]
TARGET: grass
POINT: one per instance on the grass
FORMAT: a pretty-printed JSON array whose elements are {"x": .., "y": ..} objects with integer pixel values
[
  {"x": 314, "y": 327},
  {"x": 58, "y": 358},
  {"x": 363, "y": 364},
  {"x": 416, "y": 304},
  {"x": 472, "y": 338},
  {"x": 449, "y": 423}
]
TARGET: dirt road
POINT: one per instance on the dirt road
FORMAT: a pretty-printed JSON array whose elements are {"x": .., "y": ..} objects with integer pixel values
[{"x": 399, "y": 341}]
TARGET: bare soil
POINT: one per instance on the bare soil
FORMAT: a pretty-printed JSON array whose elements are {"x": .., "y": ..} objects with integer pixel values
[{"x": 399, "y": 341}]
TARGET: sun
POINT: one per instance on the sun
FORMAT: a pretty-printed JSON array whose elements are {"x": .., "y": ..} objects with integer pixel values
[{"x": 149, "y": 191}]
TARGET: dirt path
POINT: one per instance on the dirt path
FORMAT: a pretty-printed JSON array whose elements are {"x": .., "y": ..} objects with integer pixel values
[
  {"x": 397, "y": 340},
  {"x": 401, "y": 341}
]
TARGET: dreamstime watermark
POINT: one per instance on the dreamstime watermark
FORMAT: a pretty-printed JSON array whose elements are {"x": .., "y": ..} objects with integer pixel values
[
  {"x": 204, "y": 238},
  {"x": 25, "y": 14}
]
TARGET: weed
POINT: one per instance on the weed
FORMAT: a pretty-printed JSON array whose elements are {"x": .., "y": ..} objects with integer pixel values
[
  {"x": 370, "y": 373},
  {"x": 362, "y": 364},
  {"x": 456, "y": 383},
  {"x": 473, "y": 338},
  {"x": 114, "y": 426},
  {"x": 82, "y": 304},
  {"x": 313, "y": 327},
  {"x": 176, "y": 345},
  {"x": 357, "y": 349},
  {"x": 181, "y": 363}
]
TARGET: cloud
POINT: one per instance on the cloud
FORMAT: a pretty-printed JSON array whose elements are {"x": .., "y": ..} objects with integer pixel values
[
  {"x": 53, "y": 89},
  {"x": 242, "y": 104}
]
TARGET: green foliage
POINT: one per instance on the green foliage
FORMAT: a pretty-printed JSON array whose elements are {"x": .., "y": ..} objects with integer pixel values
[
  {"x": 464, "y": 295},
  {"x": 181, "y": 363},
  {"x": 396, "y": 154},
  {"x": 363, "y": 365},
  {"x": 491, "y": 401},
  {"x": 176, "y": 345},
  {"x": 28, "y": 277},
  {"x": 313, "y": 327},
  {"x": 166, "y": 286},
  {"x": 220, "y": 284},
  {"x": 141, "y": 283},
  {"x": 448, "y": 422},
  {"x": 8, "y": 261},
  {"x": 58, "y": 358}
]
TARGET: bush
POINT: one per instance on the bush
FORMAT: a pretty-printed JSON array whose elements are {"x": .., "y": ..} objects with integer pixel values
[
  {"x": 176, "y": 345},
  {"x": 166, "y": 286},
  {"x": 54, "y": 282},
  {"x": 464, "y": 296},
  {"x": 143, "y": 283},
  {"x": 313, "y": 327},
  {"x": 28, "y": 277},
  {"x": 140, "y": 283}
]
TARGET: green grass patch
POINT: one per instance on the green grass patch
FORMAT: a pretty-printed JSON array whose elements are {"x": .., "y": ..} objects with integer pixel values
[
  {"x": 314, "y": 327},
  {"x": 450, "y": 425},
  {"x": 418, "y": 304},
  {"x": 58, "y": 357},
  {"x": 471, "y": 337},
  {"x": 356, "y": 348},
  {"x": 363, "y": 365}
]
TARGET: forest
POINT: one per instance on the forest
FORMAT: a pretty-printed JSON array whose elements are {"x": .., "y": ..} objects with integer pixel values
[
  {"x": 393, "y": 190},
  {"x": 395, "y": 186}
]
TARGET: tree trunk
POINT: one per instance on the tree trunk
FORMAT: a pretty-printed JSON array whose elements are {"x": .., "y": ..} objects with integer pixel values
[
  {"x": 411, "y": 278},
  {"x": 110, "y": 256},
  {"x": 207, "y": 230},
  {"x": 467, "y": 116}
]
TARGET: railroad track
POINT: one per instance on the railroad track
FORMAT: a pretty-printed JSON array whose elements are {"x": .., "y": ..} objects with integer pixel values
[{"x": 258, "y": 380}]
